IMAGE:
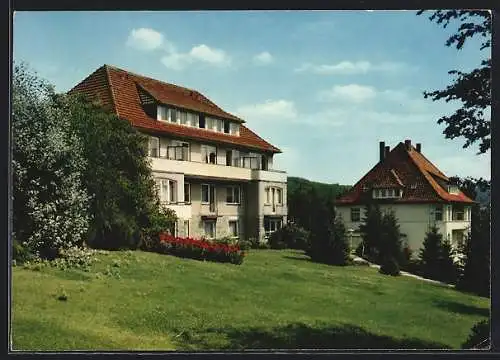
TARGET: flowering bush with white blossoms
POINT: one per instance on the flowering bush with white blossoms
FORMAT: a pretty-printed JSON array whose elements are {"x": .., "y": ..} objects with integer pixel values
[{"x": 50, "y": 204}]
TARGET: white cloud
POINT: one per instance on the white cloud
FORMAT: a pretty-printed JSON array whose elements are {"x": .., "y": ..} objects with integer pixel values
[
  {"x": 351, "y": 68},
  {"x": 145, "y": 39},
  {"x": 270, "y": 109},
  {"x": 263, "y": 58},
  {"x": 352, "y": 92},
  {"x": 176, "y": 61},
  {"x": 200, "y": 53},
  {"x": 206, "y": 54}
]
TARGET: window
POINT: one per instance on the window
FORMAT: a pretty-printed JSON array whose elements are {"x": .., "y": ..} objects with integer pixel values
[
  {"x": 438, "y": 213},
  {"x": 183, "y": 116},
  {"x": 226, "y": 126},
  {"x": 167, "y": 190},
  {"x": 186, "y": 227},
  {"x": 162, "y": 113},
  {"x": 271, "y": 225},
  {"x": 268, "y": 196},
  {"x": 386, "y": 193},
  {"x": 219, "y": 125},
  {"x": 192, "y": 119},
  {"x": 178, "y": 151},
  {"x": 233, "y": 195},
  {"x": 153, "y": 146},
  {"x": 201, "y": 122},
  {"x": 209, "y": 154},
  {"x": 355, "y": 214},
  {"x": 458, "y": 213},
  {"x": 233, "y": 228},
  {"x": 279, "y": 196},
  {"x": 187, "y": 192},
  {"x": 205, "y": 189},
  {"x": 173, "y": 115},
  {"x": 453, "y": 189},
  {"x": 234, "y": 129},
  {"x": 209, "y": 228}
]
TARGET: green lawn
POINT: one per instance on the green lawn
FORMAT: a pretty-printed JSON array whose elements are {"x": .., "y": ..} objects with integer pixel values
[{"x": 276, "y": 299}]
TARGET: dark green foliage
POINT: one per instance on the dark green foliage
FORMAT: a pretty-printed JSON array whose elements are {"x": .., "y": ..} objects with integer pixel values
[
  {"x": 479, "y": 337},
  {"x": 390, "y": 243},
  {"x": 118, "y": 177},
  {"x": 245, "y": 245},
  {"x": 160, "y": 219},
  {"x": 371, "y": 232},
  {"x": 436, "y": 260},
  {"x": 389, "y": 266},
  {"x": 303, "y": 195},
  {"x": 472, "y": 121},
  {"x": 328, "y": 240},
  {"x": 290, "y": 236},
  {"x": 20, "y": 253},
  {"x": 476, "y": 272}
]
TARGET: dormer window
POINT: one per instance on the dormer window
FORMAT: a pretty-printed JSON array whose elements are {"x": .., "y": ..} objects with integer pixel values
[
  {"x": 388, "y": 193},
  {"x": 453, "y": 189},
  {"x": 234, "y": 129}
]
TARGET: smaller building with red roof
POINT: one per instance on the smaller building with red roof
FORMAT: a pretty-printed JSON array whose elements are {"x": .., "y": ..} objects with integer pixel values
[{"x": 406, "y": 182}]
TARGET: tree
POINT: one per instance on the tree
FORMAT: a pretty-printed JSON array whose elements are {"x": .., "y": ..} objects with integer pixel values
[
  {"x": 436, "y": 257},
  {"x": 50, "y": 203},
  {"x": 476, "y": 272},
  {"x": 390, "y": 243},
  {"x": 371, "y": 230},
  {"x": 119, "y": 178},
  {"x": 328, "y": 239},
  {"x": 472, "y": 121}
]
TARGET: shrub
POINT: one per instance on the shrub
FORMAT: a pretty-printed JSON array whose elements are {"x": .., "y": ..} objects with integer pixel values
[
  {"x": 389, "y": 266},
  {"x": 50, "y": 201},
  {"x": 245, "y": 245},
  {"x": 256, "y": 244},
  {"x": 479, "y": 337},
  {"x": 290, "y": 236},
  {"x": 74, "y": 258},
  {"x": 200, "y": 249},
  {"x": 161, "y": 220},
  {"x": 20, "y": 254},
  {"x": 436, "y": 258}
]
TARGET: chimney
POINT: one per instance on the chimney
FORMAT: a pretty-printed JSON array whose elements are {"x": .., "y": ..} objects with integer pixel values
[
  {"x": 408, "y": 144},
  {"x": 419, "y": 147},
  {"x": 387, "y": 149},
  {"x": 382, "y": 150}
]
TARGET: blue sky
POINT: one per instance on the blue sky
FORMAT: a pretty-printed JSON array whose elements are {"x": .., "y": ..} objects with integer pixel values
[{"x": 324, "y": 86}]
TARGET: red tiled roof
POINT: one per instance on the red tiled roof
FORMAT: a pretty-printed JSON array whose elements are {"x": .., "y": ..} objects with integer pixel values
[
  {"x": 408, "y": 169},
  {"x": 117, "y": 89}
]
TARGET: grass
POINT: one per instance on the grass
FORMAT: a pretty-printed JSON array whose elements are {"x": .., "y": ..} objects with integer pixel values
[{"x": 276, "y": 299}]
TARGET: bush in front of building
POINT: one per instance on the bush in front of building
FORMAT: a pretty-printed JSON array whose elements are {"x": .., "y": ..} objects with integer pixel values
[
  {"x": 389, "y": 266},
  {"x": 200, "y": 249},
  {"x": 290, "y": 236},
  {"x": 436, "y": 260}
]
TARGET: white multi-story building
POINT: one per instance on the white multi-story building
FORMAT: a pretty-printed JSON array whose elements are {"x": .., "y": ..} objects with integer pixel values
[
  {"x": 420, "y": 195},
  {"x": 210, "y": 168}
]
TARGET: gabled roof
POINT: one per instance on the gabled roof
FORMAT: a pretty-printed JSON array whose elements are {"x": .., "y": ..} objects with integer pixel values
[
  {"x": 118, "y": 90},
  {"x": 410, "y": 170}
]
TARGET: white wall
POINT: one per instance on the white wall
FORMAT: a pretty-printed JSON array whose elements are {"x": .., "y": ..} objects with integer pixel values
[{"x": 414, "y": 221}]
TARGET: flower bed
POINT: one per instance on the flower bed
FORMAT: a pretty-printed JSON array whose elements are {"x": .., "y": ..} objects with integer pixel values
[{"x": 200, "y": 249}]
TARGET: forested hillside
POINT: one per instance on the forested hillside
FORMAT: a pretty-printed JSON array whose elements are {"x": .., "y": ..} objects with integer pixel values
[{"x": 304, "y": 196}]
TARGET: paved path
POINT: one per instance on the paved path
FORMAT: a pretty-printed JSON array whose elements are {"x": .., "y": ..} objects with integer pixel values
[{"x": 410, "y": 275}]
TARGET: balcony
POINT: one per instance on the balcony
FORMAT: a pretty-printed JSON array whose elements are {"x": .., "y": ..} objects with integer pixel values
[
  {"x": 275, "y": 209},
  {"x": 183, "y": 211},
  {"x": 204, "y": 170}
]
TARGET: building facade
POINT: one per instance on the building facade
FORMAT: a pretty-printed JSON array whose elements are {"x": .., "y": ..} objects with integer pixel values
[
  {"x": 212, "y": 170},
  {"x": 421, "y": 196}
]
